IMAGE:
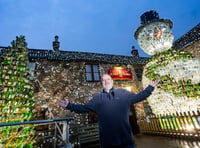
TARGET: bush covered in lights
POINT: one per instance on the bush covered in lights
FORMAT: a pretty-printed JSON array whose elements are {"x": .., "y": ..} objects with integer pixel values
[
  {"x": 16, "y": 97},
  {"x": 178, "y": 72},
  {"x": 179, "y": 88}
]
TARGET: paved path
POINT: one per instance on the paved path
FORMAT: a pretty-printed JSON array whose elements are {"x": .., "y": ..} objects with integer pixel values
[{"x": 145, "y": 141}]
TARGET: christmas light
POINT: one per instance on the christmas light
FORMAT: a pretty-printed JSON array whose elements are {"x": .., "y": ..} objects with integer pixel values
[
  {"x": 179, "y": 87},
  {"x": 16, "y": 97}
]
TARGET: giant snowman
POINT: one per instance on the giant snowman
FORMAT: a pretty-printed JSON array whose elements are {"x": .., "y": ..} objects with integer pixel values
[{"x": 179, "y": 88}]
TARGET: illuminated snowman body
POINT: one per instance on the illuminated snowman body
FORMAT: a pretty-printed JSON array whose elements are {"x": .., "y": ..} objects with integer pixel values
[{"x": 179, "y": 89}]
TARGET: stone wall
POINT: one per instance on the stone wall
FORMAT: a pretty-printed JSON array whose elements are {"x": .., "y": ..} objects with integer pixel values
[
  {"x": 194, "y": 49},
  {"x": 55, "y": 80}
]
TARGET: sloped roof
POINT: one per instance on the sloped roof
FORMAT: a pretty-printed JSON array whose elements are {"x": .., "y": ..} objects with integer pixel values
[
  {"x": 40, "y": 54},
  {"x": 188, "y": 38}
]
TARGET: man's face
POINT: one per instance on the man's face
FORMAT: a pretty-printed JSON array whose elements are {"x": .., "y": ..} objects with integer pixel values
[{"x": 107, "y": 82}]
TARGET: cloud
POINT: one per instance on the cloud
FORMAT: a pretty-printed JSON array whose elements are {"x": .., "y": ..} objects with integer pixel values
[{"x": 87, "y": 25}]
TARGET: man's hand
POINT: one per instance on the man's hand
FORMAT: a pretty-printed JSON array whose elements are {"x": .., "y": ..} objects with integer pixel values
[
  {"x": 63, "y": 103},
  {"x": 154, "y": 83}
]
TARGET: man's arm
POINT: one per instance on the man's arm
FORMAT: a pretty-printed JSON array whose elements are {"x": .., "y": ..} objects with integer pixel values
[
  {"x": 135, "y": 98},
  {"x": 77, "y": 108}
]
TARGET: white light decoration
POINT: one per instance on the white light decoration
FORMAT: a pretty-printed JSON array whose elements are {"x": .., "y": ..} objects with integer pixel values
[
  {"x": 182, "y": 70},
  {"x": 179, "y": 88},
  {"x": 129, "y": 88}
]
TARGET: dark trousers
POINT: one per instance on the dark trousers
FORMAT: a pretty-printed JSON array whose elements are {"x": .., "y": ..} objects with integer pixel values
[{"x": 124, "y": 146}]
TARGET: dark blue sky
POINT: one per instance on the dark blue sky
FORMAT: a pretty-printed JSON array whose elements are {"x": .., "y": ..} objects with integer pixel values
[{"x": 98, "y": 26}]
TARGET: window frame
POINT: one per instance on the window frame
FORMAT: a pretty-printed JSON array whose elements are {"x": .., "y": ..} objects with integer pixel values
[
  {"x": 92, "y": 72},
  {"x": 139, "y": 72}
]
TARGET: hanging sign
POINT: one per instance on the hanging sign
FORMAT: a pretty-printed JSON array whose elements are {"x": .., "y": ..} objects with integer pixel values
[{"x": 119, "y": 73}]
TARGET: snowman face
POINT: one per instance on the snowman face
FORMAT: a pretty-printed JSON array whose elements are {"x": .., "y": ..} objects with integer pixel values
[{"x": 155, "y": 37}]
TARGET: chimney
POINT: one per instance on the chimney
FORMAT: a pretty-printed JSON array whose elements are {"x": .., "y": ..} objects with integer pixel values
[
  {"x": 56, "y": 44},
  {"x": 134, "y": 52}
]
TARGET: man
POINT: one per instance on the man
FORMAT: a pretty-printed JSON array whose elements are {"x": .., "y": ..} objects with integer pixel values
[{"x": 112, "y": 107}]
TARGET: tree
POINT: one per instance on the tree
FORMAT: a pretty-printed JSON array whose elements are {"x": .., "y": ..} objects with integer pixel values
[{"x": 16, "y": 96}]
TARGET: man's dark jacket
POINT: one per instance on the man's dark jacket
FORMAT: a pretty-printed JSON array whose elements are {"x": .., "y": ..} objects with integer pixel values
[{"x": 113, "y": 114}]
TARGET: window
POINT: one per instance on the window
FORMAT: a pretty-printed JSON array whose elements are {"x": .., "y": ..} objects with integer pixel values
[
  {"x": 92, "y": 72},
  {"x": 32, "y": 67},
  {"x": 138, "y": 72}
]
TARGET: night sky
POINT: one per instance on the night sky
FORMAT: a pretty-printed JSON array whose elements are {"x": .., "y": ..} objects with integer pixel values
[{"x": 98, "y": 26}]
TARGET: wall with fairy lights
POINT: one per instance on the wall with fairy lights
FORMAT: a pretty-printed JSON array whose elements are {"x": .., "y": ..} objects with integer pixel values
[
  {"x": 55, "y": 80},
  {"x": 195, "y": 49}
]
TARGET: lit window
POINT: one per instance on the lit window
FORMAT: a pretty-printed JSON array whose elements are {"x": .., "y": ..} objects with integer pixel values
[{"x": 92, "y": 72}]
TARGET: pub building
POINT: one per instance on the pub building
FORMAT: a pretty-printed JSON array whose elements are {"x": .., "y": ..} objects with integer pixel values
[
  {"x": 77, "y": 75},
  {"x": 56, "y": 74}
]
